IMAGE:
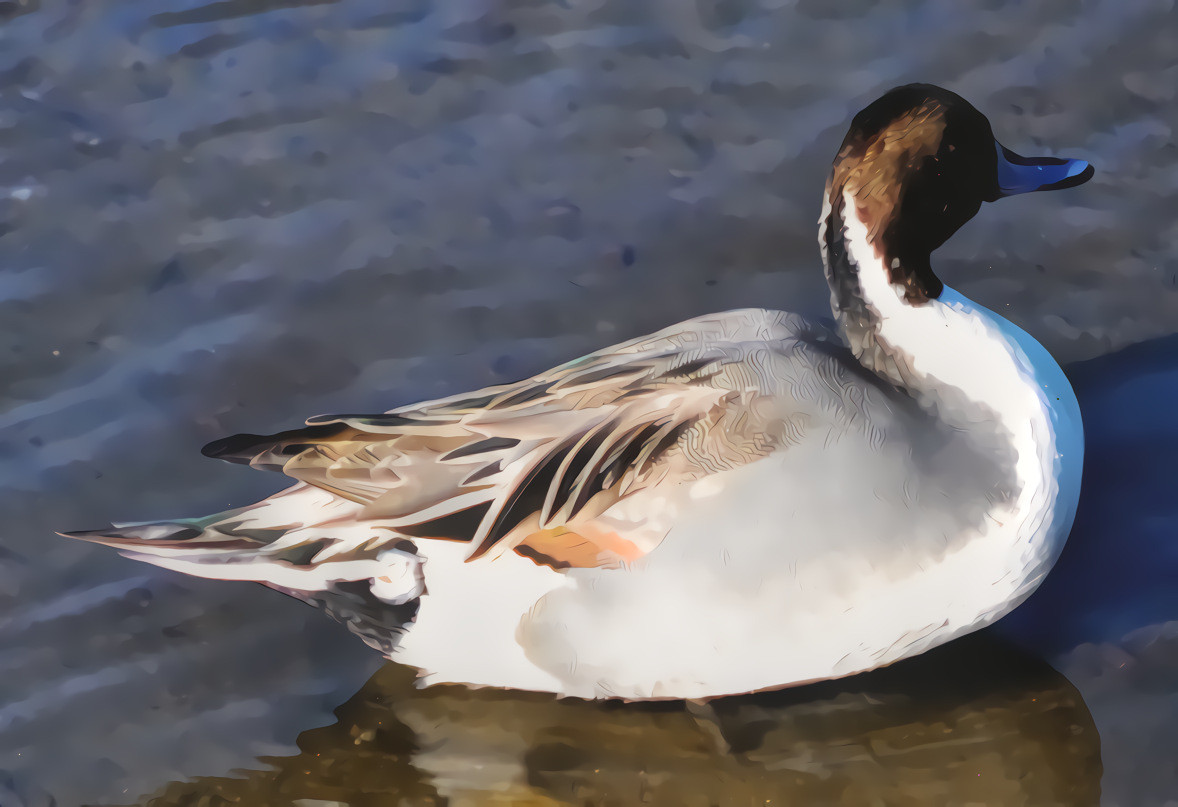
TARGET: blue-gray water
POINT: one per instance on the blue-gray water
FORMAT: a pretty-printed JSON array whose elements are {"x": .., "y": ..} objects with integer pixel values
[{"x": 227, "y": 216}]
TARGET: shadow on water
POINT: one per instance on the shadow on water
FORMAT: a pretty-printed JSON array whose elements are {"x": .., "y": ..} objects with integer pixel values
[
  {"x": 975, "y": 722},
  {"x": 1118, "y": 569}
]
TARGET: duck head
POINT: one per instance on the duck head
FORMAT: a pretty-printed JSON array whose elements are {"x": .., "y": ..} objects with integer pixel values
[{"x": 916, "y": 165}]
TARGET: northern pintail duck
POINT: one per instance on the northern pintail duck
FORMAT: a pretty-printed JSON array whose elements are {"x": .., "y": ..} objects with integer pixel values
[{"x": 742, "y": 501}]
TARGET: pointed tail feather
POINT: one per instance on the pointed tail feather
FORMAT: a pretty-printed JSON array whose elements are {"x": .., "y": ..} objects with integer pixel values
[
  {"x": 201, "y": 549},
  {"x": 150, "y": 536},
  {"x": 270, "y": 543},
  {"x": 297, "y": 542},
  {"x": 208, "y": 540}
]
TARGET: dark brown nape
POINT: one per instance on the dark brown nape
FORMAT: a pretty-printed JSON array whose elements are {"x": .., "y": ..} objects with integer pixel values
[{"x": 919, "y": 162}]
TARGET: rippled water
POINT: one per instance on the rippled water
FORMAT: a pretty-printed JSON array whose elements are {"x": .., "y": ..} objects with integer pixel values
[{"x": 226, "y": 216}]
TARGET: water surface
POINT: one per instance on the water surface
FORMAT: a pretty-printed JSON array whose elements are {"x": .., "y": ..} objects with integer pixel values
[{"x": 227, "y": 216}]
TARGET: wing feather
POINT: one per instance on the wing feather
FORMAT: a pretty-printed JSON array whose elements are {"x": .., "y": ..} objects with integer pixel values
[{"x": 475, "y": 467}]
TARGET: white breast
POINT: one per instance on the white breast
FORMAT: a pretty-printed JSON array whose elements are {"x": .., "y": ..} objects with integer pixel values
[{"x": 980, "y": 371}]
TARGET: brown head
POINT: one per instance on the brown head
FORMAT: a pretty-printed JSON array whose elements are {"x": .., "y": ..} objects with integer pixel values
[{"x": 918, "y": 163}]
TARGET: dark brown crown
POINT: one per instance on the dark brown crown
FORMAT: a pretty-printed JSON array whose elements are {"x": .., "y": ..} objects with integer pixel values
[{"x": 918, "y": 162}]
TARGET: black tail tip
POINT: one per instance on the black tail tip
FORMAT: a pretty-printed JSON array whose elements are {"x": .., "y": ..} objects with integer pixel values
[
  {"x": 138, "y": 534},
  {"x": 235, "y": 448},
  {"x": 89, "y": 535}
]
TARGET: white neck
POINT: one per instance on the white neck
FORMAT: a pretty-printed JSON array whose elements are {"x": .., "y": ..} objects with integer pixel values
[{"x": 976, "y": 371}]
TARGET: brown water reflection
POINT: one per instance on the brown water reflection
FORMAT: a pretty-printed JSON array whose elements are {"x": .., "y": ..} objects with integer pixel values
[{"x": 976, "y": 722}]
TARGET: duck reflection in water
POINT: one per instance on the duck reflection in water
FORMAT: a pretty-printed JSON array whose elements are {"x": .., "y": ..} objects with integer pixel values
[{"x": 973, "y": 722}]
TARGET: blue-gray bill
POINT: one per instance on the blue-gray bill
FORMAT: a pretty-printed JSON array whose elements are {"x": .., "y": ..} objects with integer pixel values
[{"x": 1018, "y": 174}]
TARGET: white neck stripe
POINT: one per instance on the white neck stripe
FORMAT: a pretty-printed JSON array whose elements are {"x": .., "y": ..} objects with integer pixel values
[{"x": 971, "y": 365}]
